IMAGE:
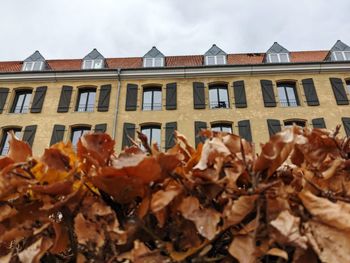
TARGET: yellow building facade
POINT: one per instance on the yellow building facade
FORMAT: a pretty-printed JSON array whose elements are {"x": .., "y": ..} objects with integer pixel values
[{"x": 253, "y": 95}]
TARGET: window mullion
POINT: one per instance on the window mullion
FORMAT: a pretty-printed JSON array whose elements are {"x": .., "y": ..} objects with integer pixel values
[{"x": 22, "y": 106}]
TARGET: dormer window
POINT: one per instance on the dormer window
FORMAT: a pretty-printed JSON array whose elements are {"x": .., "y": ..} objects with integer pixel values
[
  {"x": 153, "y": 62},
  {"x": 341, "y": 55},
  {"x": 93, "y": 60},
  {"x": 93, "y": 64},
  {"x": 153, "y": 58},
  {"x": 36, "y": 62},
  {"x": 278, "y": 58},
  {"x": 215, "y": 56}
]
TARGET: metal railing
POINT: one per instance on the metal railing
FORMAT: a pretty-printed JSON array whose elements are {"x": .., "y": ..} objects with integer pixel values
[
  {"x": 85, "y": 108},
  {"x": 289, "y": 103},
  {"x": 151, "y": 106},
  {"x": 218, "y": 104}
]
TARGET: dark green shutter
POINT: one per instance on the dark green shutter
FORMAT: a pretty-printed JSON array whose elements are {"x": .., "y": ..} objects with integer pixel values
[
  {"x": 101, "y": 127},
  {"x": 346, "y": 123},
  {"x": 274, "y": 126},
  {"x": 170, "y": 128},
  {"x": 29, "y": 134},
  {"x": 171, "y": 96},
  {"x": 131, "y": 97},
  {"x": 198, "y": 95},
  {"x": 103, "y": 100},
  {"x": 318, "y": 123},
  {"x": 57, "y": 134},
  {"x": 198, "y": 126},
  {"x": 128, "y": 131},
  {"x": 310, "y": 92},
  {"x": 239, "y": 93},
  {"x": 38, "y": 100},
  {"x": 66, "y": 94},
  {"x": 268, "y": 93},
  {"x": 3, "y": 96},
  {"x": 339, "y": 91},
  {"x": 244, "y": 130}
]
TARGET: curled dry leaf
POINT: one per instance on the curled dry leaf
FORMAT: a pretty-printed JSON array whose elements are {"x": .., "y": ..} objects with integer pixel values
[
  {"x": 162, "y": 198},
  {"x": 6, "y": 211},
  {"x": 236, "y": 211},
  {"x": 34, "y": 252},
  {"x": 243, "y": 249},
  {"x": 278, "y": 253},
  {"x": 19, "y": 151}
]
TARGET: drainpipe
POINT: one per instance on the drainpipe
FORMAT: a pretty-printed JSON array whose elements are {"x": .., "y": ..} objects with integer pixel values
[{"x": 114, "y": 131}]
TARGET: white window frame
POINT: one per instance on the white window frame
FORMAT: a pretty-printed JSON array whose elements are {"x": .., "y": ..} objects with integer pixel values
[
  {"x": 93, "y": 63},
  {"x": 215, "y": 60},
  {"x": 31, "y": 65},
  {"x": 153, "y": 62},
  {"x": 343, "y": 55},
  {"x": 278, "y": 57}
]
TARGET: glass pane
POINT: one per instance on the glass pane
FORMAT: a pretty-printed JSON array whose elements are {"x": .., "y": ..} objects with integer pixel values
[
  {"x": 146, "y": 131},
  {"x": 155, "y": 136},
  {"x": 338, "y": 56},
  {"x": 273, "y": 58},
  {"x": 211, "y": 60},
  {"x": 222, "y": 128},
  {"x": 28, "y": 66},
  {"x": 348, "y": 86},
  {"x": 147, "y": 100},
  {"x": 227, "y": 128},
  {"x": 282, "y": 96},
  {"x": 223, "y": 98},
  {"x": 26, "y": 102},
  {"x": 98, "y": 63},
  {"x": 88, "y": 64},
  {"x": 213, "y": 98},
  {"x": 220, "y": 60},
  {"x": 347, "y": 55},
  {"x": 91, "y": 101},
  {"x": 284, "y": 57},
  {"x": 19, "y": 102},
  {"x": 37, "y": 65},
  {"x": 83, "y": 96},
  {"x": 216, "y": 128},
  {"x": 148, "y": 62},
  {"x": 158, "y": 62},
  {"x": 77, "y": 133},
  {"x": 157, "y": 100},
  {"x": 291, "y": 97},
  {"x": 5, "y": 147}
]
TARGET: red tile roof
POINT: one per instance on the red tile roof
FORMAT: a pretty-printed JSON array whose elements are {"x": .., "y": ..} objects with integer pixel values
[{"x": 170, "y": 61}]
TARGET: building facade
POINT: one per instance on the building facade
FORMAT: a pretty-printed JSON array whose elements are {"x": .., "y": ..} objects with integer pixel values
[{"x": 253, "y": 95}]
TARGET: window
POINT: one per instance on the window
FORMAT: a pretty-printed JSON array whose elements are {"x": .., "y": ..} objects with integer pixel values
[
  {"x": 77, "y": 132},
  {"x": 153, "y": 134},
  {"x": 152, "y": 99},
  {"x": 341, "y": 55},
  {"x": 153, "y": 62},
  {"x": 222, "y": 127},
  {"x": 21, "y": 101},
  {"x": 348, "y": 85},
  {"x": 4, "y": 146},
  {"x": 216, "y": 60},
  {"x": 287, "y": 95},
  {"x": 278, "y": 57},
  {"x": 86, "y": 100},
  {"x": 93, "y": 64},
  {"x": 290, "y": 123},
  {"x": 218, "y": 97},
  {"x": 33, "y": 66}
]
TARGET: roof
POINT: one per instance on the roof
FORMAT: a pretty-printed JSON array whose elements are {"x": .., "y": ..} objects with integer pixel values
[{"x": 170, "y": 61}]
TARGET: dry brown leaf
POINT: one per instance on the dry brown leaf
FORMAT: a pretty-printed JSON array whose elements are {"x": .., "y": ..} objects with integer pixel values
[
  {"x": 19, "y": 151},
  {"x": 6, "y": 211},
  {"x": 243, "y": 249},
  {"x": 278, "y": 253},
  {"x": 162, "y": 198},
  {"x": 35, "y": 251},
  {"x": 237, "y": 210},
  {"x": 333, "y": 214}
]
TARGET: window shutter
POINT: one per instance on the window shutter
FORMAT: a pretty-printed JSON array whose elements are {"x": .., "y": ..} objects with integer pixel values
[
  {"x": 66, "y": 94},
  {"x": 103, "y": 100},
  {"x": 29, "y": 134},
  {"x": 274, "y": 126},
  {"x": 171, "y": 96},
  {"x": 198, "y": 126},
  {"x": 131, "y": 97},
  {"x": 346, "y": 123},
  {"x": 318, "y": 123},
  {"x": 198, "y": 95},
  {"x": 57, "y": 134},
  {"x": 268, "y": 93},
  {"x": 3, "y": 96},
  {"x": 170, "y": 128},
  {"x": 128, "y": 131},
  {"x": 38, "y": 100},
  {"x": 239, "y": 93},
  {"x": 101, "y": 127},
  {"x": 310, "y": 92},
  {"x": 339, "y": 91},
  {"x": 244, "y": 130}
]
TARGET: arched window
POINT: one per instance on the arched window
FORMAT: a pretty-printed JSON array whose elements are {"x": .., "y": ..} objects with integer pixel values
[
  {"x": 298, "y": 122},
  {"x": 287, "y": 93},
  {"x": 153, "y": 133},
  {"x": 77, "y": 132},
  {"x": 86, "y": 100},
  {"x": 222, "y": 127},
  {"x": 218, "y": 96},
  {"x": 152, "y": 98},
  {"x": 5, "y": 137}
]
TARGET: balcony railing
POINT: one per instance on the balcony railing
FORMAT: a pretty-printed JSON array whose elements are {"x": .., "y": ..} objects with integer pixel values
[
  {"x": 86, "y": 108},
  {"x": 218, "y": 104},
  {"x": 289, "y": 103},
  {"x": 151, "y": 106}
]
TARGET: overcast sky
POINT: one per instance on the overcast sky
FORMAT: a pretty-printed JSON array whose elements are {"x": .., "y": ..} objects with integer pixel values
[{"x": 122, "y": 28}]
